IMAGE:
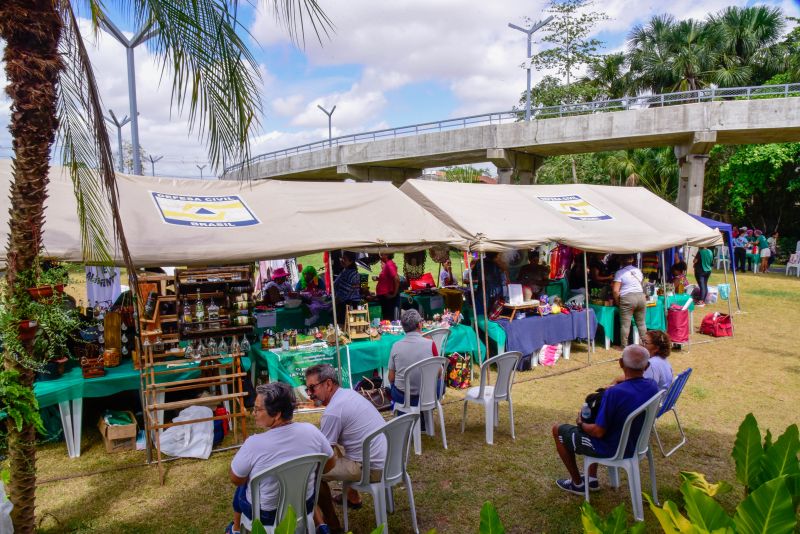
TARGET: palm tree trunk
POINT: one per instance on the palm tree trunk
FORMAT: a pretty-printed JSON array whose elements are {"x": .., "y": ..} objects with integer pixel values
[
  {"x": 574, "y": 170},
  {"x": 31, "y": 30}
]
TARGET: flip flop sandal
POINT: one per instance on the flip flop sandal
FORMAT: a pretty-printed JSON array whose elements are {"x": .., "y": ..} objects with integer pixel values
[
  {"x": 229, "y": 529},
  {"x": 352, "y": 505}
]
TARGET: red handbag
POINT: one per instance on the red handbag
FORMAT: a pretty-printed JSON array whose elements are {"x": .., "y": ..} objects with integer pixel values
[
  {"x": 717, "y": 324},
  {"x": 678, "y": 324},
  {"x": 423, "y": 282}
]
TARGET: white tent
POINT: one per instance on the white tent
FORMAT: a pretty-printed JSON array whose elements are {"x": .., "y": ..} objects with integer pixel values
[
  {"x": 194, "y": 222},
  {"x": 589, "y": 217}
]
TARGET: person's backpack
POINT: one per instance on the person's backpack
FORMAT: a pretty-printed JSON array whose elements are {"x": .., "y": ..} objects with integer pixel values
[{"x": 593, "y": 400}]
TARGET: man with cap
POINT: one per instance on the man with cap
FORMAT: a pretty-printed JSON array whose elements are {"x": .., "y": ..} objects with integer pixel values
[
  {"x": 740, "y": 249},
  {"x": 601, "y": 438},
  {"x": 279, "y": 287}
]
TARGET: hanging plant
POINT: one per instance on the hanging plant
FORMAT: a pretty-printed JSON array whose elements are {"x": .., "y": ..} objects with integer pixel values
[{"x": 35, "y": 331}]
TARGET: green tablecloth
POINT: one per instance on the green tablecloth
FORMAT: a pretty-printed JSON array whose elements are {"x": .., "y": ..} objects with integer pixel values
[
  {"x": 289, "y": 366},
  {"x": 558, "y": 288},
  {"x": 124, "y": 377},
  {"x": 608, "y": 316},
  {"x": 430, "y": 304}
]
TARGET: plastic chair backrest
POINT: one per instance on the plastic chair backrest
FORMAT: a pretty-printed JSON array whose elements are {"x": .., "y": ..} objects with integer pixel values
[
  {"x": 439, "y": 337},
  {"x": 506, "y": 368},
  {"x": 292, "y": 477},
  {"x": 396, "y": 432},
  {"x": 426, "y": 374},
  {"x": 650, "y": 408},
  {"x": 674, "y": 392}
]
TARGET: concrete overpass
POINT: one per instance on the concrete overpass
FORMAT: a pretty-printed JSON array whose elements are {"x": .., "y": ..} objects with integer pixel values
[{"x": 517, "y": 147}]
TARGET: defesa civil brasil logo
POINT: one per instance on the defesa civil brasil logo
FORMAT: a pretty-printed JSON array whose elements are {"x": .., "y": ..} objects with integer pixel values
[{"x": 227, "y": 211}]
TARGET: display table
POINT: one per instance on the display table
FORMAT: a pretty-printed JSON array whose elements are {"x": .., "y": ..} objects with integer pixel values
[
  {"x": 69, "y": 390},
  {"x": 530, "y": 334},
  {"x": 608, "y": 317},
  {"x": 359, "y": 357},
  {"x": 428, "y": 304}
]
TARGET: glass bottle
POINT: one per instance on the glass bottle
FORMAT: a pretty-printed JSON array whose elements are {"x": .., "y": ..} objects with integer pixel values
[
  {"x": 188, "y": 352},
  {"x": 81, "y": 309},
  {"x": 187, "y": 313},
  {"x": 235, "y": 348},
  {"x": 199, "y": 350},
  {"x": 245, "y": 346},
  {"x": 96, "y": 310},
  {"x": 213, "y": 314},
  {"x": 212, "y": 347},
  {"x": 285, "y": 341},
  {"x": 199, "y": 311}
]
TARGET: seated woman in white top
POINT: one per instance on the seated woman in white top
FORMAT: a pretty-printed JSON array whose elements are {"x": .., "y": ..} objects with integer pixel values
[
  {"x": 659, "y": 345},
  {"x": 284, "y": 440}
]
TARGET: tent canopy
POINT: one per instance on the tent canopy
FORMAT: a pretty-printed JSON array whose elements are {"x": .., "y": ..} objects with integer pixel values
[
  {"x": 194, "y": 222},
  {"x": 589, "y": 217}
]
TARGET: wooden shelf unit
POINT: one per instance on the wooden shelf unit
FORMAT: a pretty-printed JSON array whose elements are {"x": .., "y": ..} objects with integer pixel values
[
  {"x": 222, "y": 376},
  {"x": 357, "y": 323}
]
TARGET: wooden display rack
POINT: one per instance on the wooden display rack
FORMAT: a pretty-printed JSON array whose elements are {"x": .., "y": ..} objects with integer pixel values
[
  {"x": 222, "y": 375},
  {"x": 357, "y": 323},
  {"x": 164, "y": 323}
]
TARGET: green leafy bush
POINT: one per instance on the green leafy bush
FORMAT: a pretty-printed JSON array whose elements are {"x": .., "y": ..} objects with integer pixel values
[{"x": 770, "y": 473}]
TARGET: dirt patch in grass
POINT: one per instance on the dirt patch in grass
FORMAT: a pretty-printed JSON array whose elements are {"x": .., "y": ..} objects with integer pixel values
[{"x": 756, "y": 371}]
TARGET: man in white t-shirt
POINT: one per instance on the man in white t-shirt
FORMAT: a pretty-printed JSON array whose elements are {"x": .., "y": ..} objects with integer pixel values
[
  {"x": 347, "y": 420},
  {"x": 284, "y": 440}
]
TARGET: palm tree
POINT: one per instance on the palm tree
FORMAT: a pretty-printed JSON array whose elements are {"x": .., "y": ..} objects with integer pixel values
[
  {"x": 655, "y": 169},
  {"x": 748, "y": 39},
  {"x": 609, "y": 75},
  {"x": 53, "y": 92}
]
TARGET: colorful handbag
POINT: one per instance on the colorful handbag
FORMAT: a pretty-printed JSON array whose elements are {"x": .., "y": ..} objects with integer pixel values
[{"x": 459, "y": 370}]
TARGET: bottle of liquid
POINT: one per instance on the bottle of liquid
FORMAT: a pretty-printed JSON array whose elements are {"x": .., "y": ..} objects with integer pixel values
[
  {"x": 285, "y": 341},
  {"x": 187, "y": 314},
  {"x": 586, "y": 412},
  {"x": 81, "y": 308},
  {"x": 213, "y": 314},
  {"x": 150, "y": 305},
  {"x": 199, "y": 311},
  {"x": 96, "y": 310}
]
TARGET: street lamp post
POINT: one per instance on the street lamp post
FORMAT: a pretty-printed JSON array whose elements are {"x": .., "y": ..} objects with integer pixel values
[
  {"x": 529, "y": 33},
  {"x": 329, "y": 114},
  {"x": 119, "y": 124},
  {"x": 153, "y": 163},
  {"x": 201, "y": 167},
  {"x": 143, "y": 35}
]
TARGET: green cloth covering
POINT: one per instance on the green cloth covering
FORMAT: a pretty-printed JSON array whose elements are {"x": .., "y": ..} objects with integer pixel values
[
  {"x": 608, "y": 317},
  {"x": 706, "y": 259},
  {"x": 124, "y": 377},
  {"x": 430, "y": 304},
  {"x": 116, "y": 417},
  {"x": 496, "y": 332},
  {"x": 558, "y": 288},
  {"x": 365, "y": 356}
]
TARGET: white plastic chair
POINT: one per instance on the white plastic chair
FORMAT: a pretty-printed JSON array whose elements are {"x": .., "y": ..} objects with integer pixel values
[
  {"x": 631, "y": 465},
  {"x": 426, "y": 373},
  {"x": 723, "y": 256},
  {"x": 439, "y": 338},
  {"x": 491, "y": 396},
  {"x": 292, "y": 476},
  {"x": 793, "y": 263},
  {"x": 396, "y": 432}
]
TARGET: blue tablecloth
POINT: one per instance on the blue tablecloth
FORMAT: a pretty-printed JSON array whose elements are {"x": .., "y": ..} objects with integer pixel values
[{"x": 530, "y": 334}]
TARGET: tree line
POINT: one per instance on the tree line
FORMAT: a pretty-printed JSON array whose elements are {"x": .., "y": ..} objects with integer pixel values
[{"x": 755, "y": 185}]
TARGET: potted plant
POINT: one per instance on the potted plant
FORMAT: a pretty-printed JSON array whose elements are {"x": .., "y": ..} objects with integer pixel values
[
  {"x": 45, "y": 282},
  {"x": 36, "y": 332}
]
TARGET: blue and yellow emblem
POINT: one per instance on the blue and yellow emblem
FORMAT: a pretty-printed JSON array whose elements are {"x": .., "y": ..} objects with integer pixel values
[
  {"x": 227, "y": 211},
  {"x": 574, "y": 207}
]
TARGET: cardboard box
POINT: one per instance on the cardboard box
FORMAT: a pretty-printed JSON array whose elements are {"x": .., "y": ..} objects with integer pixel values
[{"x": 118, "y": 438}]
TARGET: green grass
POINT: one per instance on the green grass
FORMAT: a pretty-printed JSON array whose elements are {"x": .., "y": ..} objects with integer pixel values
[{"x": 757, "y": 371}]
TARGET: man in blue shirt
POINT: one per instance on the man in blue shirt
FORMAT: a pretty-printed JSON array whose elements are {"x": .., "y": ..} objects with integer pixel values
[
  {"x": 347, "y": 286},
  {"x": 601, "y": 438},
  {"x": 739, "y": 249}
]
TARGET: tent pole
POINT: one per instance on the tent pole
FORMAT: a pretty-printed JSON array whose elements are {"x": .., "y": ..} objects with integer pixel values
[
  {"x": 475, "y": 324},
  {"x": 589, "y": 342},
  {"x": 730, "y": 310},
  {"x": 335, "y": 322},
  {"x": 736, "y": 286},
  {"x": 485, "y": 308},
  {"x": 664, "y": 285}
]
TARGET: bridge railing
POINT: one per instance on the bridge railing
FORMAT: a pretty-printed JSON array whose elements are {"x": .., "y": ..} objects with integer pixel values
[{"x": 540, "y": 113}]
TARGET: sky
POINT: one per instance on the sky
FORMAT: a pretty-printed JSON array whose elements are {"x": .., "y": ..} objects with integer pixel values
[{"x": 384, "y": 64}]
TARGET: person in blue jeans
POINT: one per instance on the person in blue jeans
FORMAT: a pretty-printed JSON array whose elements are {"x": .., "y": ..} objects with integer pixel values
[
  {"x": 410, "y": 350},
  {"x": 601, "y": 438}
]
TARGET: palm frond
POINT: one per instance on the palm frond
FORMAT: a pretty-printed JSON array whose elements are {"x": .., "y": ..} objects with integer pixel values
[{"x": 87, "y": 152}]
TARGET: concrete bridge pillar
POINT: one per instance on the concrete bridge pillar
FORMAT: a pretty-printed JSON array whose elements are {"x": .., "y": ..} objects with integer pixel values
[
  {"x": 692, "y": 159},
  {"x": 511, "y": 162},
  {"x": 365, "y": 173}
]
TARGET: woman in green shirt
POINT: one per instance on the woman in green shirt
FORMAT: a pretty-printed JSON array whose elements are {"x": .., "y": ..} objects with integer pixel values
[
  {"x": 702, "y": 271},
  {"x": 763, "y": 250}
]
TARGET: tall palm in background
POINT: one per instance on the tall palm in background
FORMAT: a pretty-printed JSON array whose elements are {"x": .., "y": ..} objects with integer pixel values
[
  {"x": 53, "y": 92},
  {"x": 653, "y": 168},
  {"x": 610, "y": 76}
]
